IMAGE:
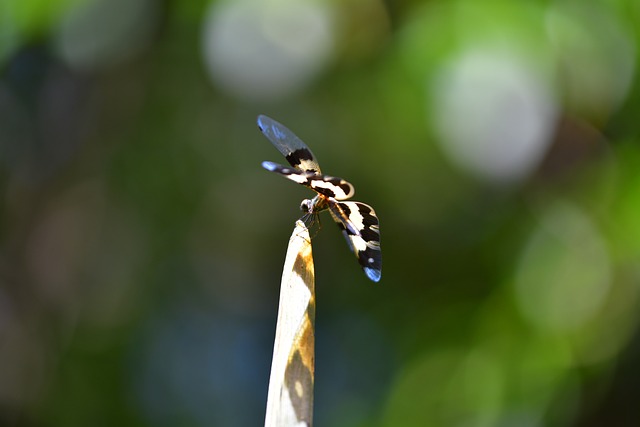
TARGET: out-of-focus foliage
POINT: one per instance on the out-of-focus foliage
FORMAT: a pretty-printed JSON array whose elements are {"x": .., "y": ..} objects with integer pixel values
[{"x": 141, "y": 242}]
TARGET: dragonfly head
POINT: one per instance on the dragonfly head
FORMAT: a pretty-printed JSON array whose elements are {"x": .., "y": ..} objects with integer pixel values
[
  {"x": 315, "y": 205},
  {"x": 307, "y": 205}
]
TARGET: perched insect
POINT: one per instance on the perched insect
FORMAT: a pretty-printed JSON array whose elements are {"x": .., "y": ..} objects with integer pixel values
[{"x": 358, "y": 221}]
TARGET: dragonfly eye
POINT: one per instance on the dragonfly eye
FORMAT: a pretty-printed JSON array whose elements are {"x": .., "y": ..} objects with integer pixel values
[{"x": 306, "y": 206}]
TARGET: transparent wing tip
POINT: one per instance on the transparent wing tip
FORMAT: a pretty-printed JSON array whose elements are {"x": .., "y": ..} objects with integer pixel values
[{"x": 263, "y": 122}]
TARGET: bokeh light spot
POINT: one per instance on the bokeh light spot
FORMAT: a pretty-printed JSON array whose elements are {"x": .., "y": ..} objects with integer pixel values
[
  {"x": 105, "y": 32},
  {"x": 261, "y": 50},
  {"x": 449, "y": 387},
  {"x": 564, "y": 273},
  {"x": 492, "y": 114},
  {"x": 595, "y": 56}
]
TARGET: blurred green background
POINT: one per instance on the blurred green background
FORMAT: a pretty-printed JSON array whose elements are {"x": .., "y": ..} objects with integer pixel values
[{"x": 142, "y": 243}]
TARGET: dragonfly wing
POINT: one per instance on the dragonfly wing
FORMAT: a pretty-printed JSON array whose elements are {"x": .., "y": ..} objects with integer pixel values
[
  {"x": 328, "y": 186},
  {"x": 292, "y": 148},
  {"x": 361, "y": 228}
]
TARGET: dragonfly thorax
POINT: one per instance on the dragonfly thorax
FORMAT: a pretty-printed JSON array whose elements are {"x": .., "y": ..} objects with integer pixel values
[{"x": 315, "y": 205}]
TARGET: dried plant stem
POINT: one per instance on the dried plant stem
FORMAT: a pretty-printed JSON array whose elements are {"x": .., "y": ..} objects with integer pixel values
[{"x": 290, "y": 396}]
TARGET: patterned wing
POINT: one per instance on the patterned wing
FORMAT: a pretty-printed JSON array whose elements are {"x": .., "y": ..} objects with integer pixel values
[
  {"x": 296, "y": 152},
  {"x": 329, "y": 186},
  {"x": 360, "y": 227}
]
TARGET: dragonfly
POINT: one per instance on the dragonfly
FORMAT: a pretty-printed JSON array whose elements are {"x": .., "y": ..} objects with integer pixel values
[{"x": 358, "y": 221}]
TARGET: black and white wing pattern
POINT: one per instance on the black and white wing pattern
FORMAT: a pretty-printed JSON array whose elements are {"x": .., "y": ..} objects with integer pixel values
[
  {"x": 358, "y": 221},
  {"x": 292, "y": 148},
  {"x": 328, "y": 186},
  {"x": 360, "y": 227}
]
